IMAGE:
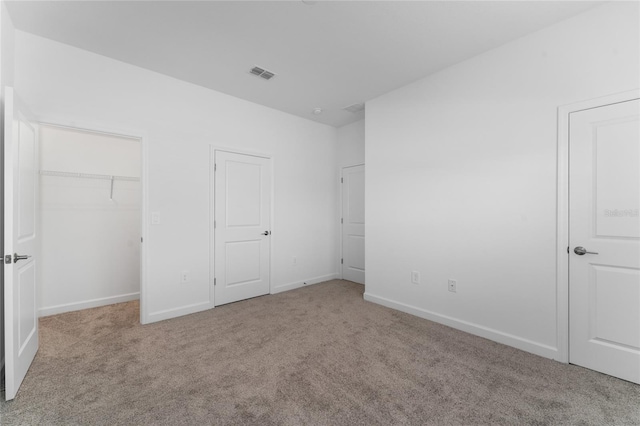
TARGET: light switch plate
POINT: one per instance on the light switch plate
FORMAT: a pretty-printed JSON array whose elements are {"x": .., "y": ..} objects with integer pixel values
[{"x": 155, "y": 218}]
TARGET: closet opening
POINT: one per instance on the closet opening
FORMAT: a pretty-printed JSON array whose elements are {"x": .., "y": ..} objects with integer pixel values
[{"x": 90, "y": 219}]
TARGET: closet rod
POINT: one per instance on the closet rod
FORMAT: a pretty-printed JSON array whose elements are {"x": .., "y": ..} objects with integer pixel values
[{"x": 87, "y": 175}]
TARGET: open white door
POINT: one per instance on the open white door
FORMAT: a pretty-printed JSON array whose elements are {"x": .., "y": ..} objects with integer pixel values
[
  {"x": 21, "y": 242},
  {"x": 353, "y": 224},
  {"x": 604, "y": 238}
]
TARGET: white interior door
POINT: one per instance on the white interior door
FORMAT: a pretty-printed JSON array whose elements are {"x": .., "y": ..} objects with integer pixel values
[
  {"x": 242, "y": 226},
  {"x": 21, "y": 243},
  {"x": 604, "y": 205},
  {"x": 353, "y": 224}
]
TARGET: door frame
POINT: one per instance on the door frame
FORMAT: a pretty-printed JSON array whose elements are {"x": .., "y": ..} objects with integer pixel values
[
  {"x": 341, "y": 216},
  {"x": 212, "y": 214},
  {"x": 562, "y": 223},
  {"x": 144, "y": 196}
]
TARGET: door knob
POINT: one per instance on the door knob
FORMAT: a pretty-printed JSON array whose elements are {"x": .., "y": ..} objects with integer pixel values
[
  {"x": 266, "y": 233},
  {"x": 17, "y": 257},
  {"x": 581, "y": 251}
]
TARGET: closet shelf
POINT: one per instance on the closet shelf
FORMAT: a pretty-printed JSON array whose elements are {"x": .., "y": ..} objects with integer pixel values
[
  {"x": 87, "y": 175},
  {"x": 90, "y": 176}
]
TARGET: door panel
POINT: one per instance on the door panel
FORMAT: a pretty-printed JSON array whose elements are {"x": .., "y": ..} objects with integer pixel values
[
  {"x": 243, "y": 194},
  {"x": 355, "y": 252},
  {"x": 21, "y": 238},
  {"x": 242, "y": 262},
  {"x": 355, "y": 183},
  {"x": 353, "y": 224},
  {"x": 242, "y": 216},
  {"x": 614, "y": 293},
  {"x": 604, "y": 205},
  {"x": 26, "y": 182},
  {"x": 27, "y": 311}
]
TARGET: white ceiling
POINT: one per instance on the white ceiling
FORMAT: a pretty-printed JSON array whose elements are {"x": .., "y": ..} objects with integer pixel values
[{"x": 330, "y": 55}]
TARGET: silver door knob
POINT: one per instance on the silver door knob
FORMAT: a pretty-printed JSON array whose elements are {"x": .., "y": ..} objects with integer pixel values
[
  {"x": 581, "y": 251},
  {"x": 266, "y": 233},
  {"x": 17, "y": 257}
]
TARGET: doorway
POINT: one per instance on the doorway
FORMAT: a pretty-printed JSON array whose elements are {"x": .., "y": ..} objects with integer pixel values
[
  {"x": 242, "y": 226},
  {"x": 90, "y": 204},
  {"x": 352, "y": 221},
  {"x": 69, "y": 192},
  {"x": 602, "y": 239}
]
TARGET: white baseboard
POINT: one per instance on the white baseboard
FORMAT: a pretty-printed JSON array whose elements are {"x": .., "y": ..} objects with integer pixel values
[
  {"x": 177, "y": 312},
  {"x": 198, "y": 307},
  {"x": 86, "y": 304},
  {"x": 471, "y": 328},
  {"x": 298, "y": 284}
]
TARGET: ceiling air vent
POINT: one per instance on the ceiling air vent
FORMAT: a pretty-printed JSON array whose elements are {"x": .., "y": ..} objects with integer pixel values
[
  {"x": 355, "y": 108},
  {"x": 261, "y": 72}
]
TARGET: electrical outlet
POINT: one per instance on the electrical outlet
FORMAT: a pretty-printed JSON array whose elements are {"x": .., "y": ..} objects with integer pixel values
[
  {"x": 415, "y": 277},
  {"x": 184, "y": 276},
  {"x": 453, "y": 285}
]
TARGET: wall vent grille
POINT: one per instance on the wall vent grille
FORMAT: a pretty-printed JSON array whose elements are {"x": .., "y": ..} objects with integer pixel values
[
  {"x": 261, "y": 72},
  {"x": 355, "y": 108}
]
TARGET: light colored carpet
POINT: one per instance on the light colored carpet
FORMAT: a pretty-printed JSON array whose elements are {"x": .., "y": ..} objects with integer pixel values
[{"x": 319, "y": 355}]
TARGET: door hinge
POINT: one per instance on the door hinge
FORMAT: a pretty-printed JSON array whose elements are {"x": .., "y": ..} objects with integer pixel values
[
  {"x": 7, "y": 259},
  {"x": 214, "y": 281},
  {"x": 215, "y": 167},
  {"x": 341, "y": 220},
  {"x": 567, "y": 249},
  {"x": 342, "y": 261},
  {"x": 341, "y": 180},
  {"x": 214, "y": 224}
]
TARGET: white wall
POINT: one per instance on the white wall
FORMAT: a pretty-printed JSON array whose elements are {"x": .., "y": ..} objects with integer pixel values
[
  {"x": 461, "y": 177},
  {"x": 90, "y": 252},
  {"x": 179, "y": 122}
]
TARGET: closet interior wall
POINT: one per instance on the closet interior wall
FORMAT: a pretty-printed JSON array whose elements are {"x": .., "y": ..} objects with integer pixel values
[{"x": 90, "y": 198}]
